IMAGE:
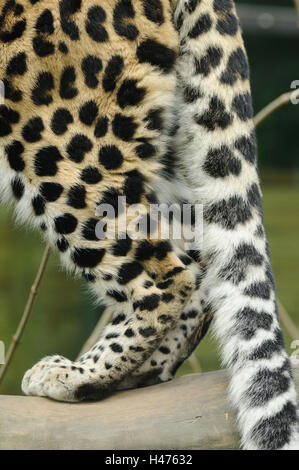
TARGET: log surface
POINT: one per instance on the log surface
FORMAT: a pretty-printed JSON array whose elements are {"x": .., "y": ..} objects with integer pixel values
[{"x": 191, "y": 412}]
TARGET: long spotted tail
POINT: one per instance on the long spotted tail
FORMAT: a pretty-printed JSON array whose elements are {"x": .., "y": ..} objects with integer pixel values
[{"x": 216, "y": 149}]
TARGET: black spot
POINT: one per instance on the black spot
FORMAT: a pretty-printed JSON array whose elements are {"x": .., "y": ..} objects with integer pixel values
[
  {"x": 18, "y": 28},
  {"x": 148, "y": 284},
  {"x": 191, "y": 6},
  {"x": 63, "y": 48},
  {"x": 173, "y": 272},
  {"x": 110, "y": 157},
  {"x": 45, "y": 161},
  {"x": 50, "y": 191},
  {"x": 43, "y": 85},
  {"x": 91, "y": 66},
  {"x": 87, "y": 257},
  {"x": 209, "y": 61},
  {"x": 191, "y": 94},
  {"x": 268, "y": 348},
  {"x": 89, "y": 230},
  {"x": 76, "y": 197},
  {"x": 17, "y": 187},
  {"x": 42, "y": 47},
  {"x": 67, "y": 8},
  {"x": 17, "y": 65},
  {"x": 237, "y": 68},
  {"x": 122, "y": 246},
  {"x": 248, "y": 148},
  {"x": 134, "y": 187},
  {"x": 228, "y": 213},
  {"x": 156, "y": 54},
  {"x": 14, "y": 152},
  {"x": 153, "y": 10},
  {"x": 268, "y": 384},
  {"x": 149, "y": 302},
  {"x": 95, "y": 16},
  {"x": 124, "y": 127},
  {"x": 147, "y": 332},
  {"x": 165, "y": 285},
  {"x": 228, "y": 24},
  {"x": 31, "y": 132},
  {"x": 129, "y": 333},
  {"x": 128, "y": 272},
  {"x": 246, "y": 255},
  {"x": 78, "y": 147},
  {"x": 120, "y": 297},
  {"x": 222, "y": 5},
  {"x": 112, "y": 72},
  {"x": 65, "y": 224},
  {"x": 122, "y": 11},
  {"x": 249, "y": 321},
  {"x": 11, "y": 93},
  {"x": 129, "y": 95},
  {"x": 154, "y": 120},
  {"x": 68, "y": 78},
  {"x": 187, "y": 260},
  {"x": 215, "y": 116},
  {"x": 221, "y": 162},
  {"x": 9, "y": 114},
  {"x": 89, "y": 277},
  {"x": 88, "y": 112},
  {"x": 117, "y": 348},
  {"x": 62, "y": 245},
  {"x": 202, "y": 25},
  {"x": 91, "y": 175},
  {"x": 242, "y": 105},
  {"x": 101, "y": 127},
  {"x": 164, "y": 350},
  {"x": 258, "y": 289},
  {"x": 162, "y": 250},
  {"x": 167, "y": 297},
  {"x": 111, "y": 197},
  {"x": 60, "y": 121},
  {"x": 38, "y": 204},
  {"x": 145, "y": 251},
  {"x": 145, "y": 150}
]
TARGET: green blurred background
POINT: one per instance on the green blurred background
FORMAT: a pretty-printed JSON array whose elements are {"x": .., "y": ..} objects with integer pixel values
[{"x": 64, "y": 315}]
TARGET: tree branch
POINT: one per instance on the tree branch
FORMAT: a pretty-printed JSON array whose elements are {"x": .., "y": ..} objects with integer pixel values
[
  {"x": 285, "y": 98},
  {"x": 26, "y": 314}
]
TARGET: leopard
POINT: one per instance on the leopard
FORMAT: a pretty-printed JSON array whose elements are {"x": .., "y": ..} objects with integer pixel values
[{"x": 146, "y": 102}]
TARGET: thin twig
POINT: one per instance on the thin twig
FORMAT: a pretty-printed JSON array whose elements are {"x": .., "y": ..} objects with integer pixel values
[
  {"x": 285, "y": 98},
  {"x": 288, "y": 322},
  {"x": 16, "y": 339},
  {"x": 194, "y": 363},
  {"x": 106, "y": 317}
]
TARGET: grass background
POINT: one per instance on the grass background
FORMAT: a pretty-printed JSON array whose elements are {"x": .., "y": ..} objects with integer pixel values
[{"x": 64, "y": 315}]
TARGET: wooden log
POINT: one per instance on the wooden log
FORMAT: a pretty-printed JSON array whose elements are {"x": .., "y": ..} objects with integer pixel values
[{"x": 189, "y": 413}]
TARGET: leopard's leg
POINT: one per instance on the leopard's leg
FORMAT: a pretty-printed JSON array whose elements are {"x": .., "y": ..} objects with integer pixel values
[
  {"x": 216, "y": 145},
  {"x": 146, "y": 312},
  {"x": 181, "y": 341}
]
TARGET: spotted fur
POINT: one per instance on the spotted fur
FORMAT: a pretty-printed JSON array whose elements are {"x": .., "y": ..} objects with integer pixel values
[{"x": 147, "y": 99}]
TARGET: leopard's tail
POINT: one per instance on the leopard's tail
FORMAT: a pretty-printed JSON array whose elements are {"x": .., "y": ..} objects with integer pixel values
[{"x": 216, "y": 151}]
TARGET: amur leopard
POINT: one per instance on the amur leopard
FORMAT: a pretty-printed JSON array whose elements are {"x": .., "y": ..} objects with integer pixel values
[{"x": 146, "y": 101}]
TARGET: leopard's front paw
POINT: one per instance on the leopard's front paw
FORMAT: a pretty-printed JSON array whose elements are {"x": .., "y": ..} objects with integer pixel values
[{"x": 51, "y": 378}]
